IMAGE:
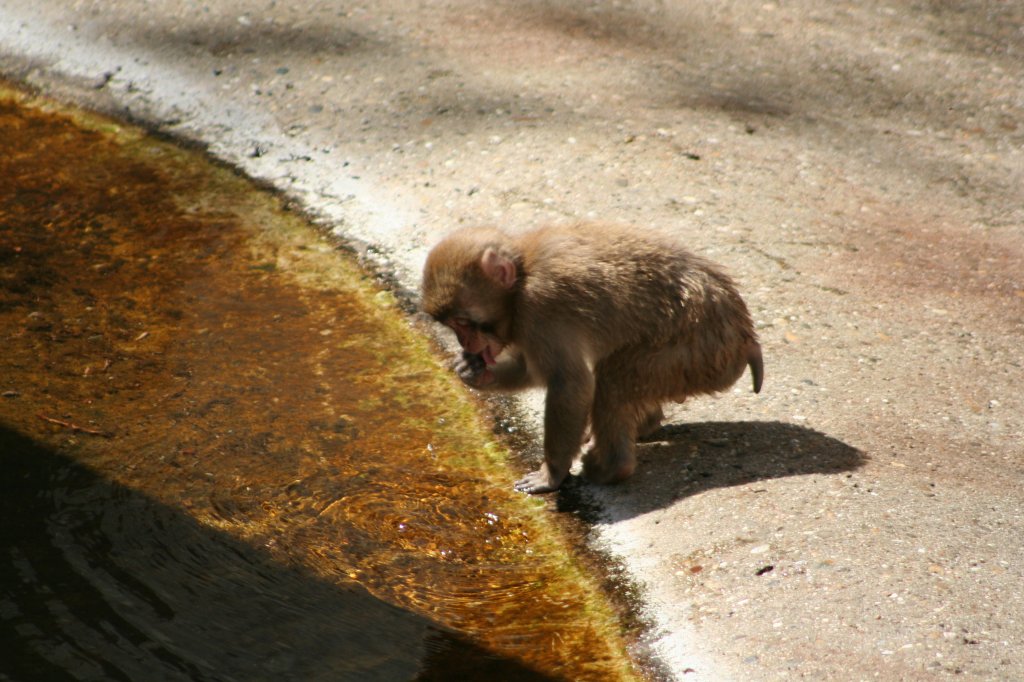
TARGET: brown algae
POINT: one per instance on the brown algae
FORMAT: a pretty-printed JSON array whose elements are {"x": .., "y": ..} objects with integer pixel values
[{"x": 175, "y": 343}]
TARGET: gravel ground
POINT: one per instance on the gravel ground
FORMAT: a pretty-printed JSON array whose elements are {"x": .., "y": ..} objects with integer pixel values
[{"x": 858, "y": 166}]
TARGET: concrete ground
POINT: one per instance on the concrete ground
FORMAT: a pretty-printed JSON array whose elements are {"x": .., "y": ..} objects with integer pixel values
[{"x": 859, "y": 168}]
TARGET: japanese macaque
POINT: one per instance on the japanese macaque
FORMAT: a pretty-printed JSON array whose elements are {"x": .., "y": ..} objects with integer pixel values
[{"x": 613, "y": 321}]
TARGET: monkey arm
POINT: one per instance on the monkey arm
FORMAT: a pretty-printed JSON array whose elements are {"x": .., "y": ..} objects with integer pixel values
[
  {"x": 566, "y": 413},
  {"x": 512, "y": 373}
]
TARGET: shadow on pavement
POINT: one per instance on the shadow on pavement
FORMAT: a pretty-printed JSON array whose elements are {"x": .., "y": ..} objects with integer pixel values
[{"x": 681, "y": 460}]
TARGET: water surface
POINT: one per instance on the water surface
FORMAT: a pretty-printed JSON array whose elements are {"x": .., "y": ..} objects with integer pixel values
[{"x": 226, "y": 454}]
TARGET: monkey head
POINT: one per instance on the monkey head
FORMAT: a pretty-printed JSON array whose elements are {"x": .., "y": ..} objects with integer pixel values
[{"x": 469, "y": 282}]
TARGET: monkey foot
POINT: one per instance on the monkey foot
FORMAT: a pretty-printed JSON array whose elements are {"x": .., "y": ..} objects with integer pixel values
[
  {"x": 603, "y": 475},
  {"x": 539, "y": 481}
]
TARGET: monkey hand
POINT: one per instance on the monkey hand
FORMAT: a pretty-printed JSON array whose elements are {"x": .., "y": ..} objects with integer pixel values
[
  {"x": 540, "y": 481},
  {"x": 472, "y": 369}
]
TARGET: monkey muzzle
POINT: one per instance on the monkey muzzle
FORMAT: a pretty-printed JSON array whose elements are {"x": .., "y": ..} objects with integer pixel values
[{"x": 488, "y": 355}]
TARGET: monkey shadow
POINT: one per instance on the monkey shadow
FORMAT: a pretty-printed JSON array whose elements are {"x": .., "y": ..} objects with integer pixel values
[{"x": 680, "y": 460}]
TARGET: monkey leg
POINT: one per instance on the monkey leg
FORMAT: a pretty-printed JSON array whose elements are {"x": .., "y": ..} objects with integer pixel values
[
  {"x": 651, "y": 421},
  {"x": 588, "y": 438},
  {"x": 650, "y": 417},
  {"x": 630, "y": 387},
  {"x": 611, "y": 456}
]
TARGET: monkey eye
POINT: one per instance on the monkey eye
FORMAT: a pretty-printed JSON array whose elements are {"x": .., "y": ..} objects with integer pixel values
[{"x": 466, "y": 323}]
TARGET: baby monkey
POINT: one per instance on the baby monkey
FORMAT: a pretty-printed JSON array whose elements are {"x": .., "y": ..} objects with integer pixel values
[{"x": 613, "y": 321}]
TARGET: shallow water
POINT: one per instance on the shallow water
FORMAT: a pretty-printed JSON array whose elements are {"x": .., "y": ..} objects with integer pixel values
[{"x": 225, "y": 455}]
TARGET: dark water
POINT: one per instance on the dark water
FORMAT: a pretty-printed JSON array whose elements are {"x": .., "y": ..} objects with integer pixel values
[
  {"x": 103, "y": 582},
  {"x": 224, "y": 455}
]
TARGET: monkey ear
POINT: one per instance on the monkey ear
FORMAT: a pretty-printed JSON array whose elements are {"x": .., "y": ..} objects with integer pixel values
[{"x": 498, "y": 268}]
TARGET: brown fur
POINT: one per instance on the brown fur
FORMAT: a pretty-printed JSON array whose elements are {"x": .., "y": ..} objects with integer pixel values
[{"x": 613, "y": 321}]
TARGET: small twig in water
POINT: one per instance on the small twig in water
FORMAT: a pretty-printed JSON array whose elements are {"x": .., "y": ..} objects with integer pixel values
[{"x": 72, "y": 426}]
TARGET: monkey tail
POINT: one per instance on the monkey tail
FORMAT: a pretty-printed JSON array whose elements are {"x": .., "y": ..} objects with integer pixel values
[{"x": 756, "y": 363}]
